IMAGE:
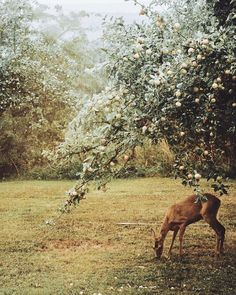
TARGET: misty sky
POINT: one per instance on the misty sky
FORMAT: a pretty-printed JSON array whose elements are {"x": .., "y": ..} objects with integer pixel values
[
  {"x": 100, "y": 6},
  {"x": 117, "y": 8}
]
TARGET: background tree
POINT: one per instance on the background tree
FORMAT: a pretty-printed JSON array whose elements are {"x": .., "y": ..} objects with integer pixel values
[{"x": 41, "y": 81}]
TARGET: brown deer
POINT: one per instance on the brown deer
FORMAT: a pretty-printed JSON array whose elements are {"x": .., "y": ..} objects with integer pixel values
[{"x": 180, "y": 215}]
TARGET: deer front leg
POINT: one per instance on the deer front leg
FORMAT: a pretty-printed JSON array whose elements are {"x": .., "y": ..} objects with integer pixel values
[
  {"x": 172, "y": 242},
  {"x": 181, "y": 235}
]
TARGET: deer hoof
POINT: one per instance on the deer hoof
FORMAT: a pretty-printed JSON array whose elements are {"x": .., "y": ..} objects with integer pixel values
[
  {"x": 217, "y": 254},
  {"x": 168, "y": 257}
]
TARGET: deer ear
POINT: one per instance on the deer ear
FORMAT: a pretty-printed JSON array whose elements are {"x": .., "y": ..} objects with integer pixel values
[{"x": 153, "y": 233}]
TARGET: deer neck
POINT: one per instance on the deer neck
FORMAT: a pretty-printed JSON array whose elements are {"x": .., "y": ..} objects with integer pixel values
[{"x": 164, "y": 230}]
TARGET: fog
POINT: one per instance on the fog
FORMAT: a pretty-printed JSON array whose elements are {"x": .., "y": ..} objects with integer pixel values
[
  {"x": 98, "y": 6},
  {"x": 92, "y": 24}
]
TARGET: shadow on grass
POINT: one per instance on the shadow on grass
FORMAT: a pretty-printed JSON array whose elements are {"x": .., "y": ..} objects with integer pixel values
[{"x": 191, "y": 274}]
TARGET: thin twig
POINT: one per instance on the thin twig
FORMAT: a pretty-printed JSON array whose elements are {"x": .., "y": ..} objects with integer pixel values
[{"x": 155, "y": 224}]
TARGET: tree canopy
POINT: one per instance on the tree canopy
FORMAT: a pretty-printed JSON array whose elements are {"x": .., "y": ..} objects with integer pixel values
[{"x": 172, "y": 77}]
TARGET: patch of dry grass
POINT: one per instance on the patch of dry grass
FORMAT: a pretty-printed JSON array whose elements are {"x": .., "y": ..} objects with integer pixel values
[{"x": 88, "y": 251}]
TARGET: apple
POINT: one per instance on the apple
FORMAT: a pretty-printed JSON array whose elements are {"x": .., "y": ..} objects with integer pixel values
[
  {"x": 184, "y": 65},
  {"x": 163, "y": 119},
  {"x": 205, "y": 42},
  {"x": 139, "y": 47},
  {"x": 219, "y": 179},
  {"x": 159, "y": 24},
  {"x": 140, "y": 40},
  {"x": 177, "y": 26},
  {"x": 214, "y": 85},
  {"x": 191, "y": 50},
  {"x": 126, "y": 157},
  {"x": 142, "y": 12},
  {"x": 190, "y": 176},
  {"x": 144, "y": 128},
  {"x": 117, "y": 98},
  {"x": 157, "y": 82},
  {"x": 199, "y": 57},
  {"x": 197, "y": 176},
  {"x": 183, "y": 71},
  {"x": 178, "y": 93}
]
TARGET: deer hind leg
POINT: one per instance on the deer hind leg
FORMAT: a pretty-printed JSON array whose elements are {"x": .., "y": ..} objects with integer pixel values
[
  {"x": 220, "y": 241},
  {"x": 219, "y": 230},
  {"x": 172, "y": 242}
]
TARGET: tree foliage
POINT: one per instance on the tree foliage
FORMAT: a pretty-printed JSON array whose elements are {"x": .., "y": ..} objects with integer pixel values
[
  {"x": 172, "y": 77},
  {"x": 42, "y": 59}
]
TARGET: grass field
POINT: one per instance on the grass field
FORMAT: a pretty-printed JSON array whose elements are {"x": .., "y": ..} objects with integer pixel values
[{"x": 88, "y": 252}]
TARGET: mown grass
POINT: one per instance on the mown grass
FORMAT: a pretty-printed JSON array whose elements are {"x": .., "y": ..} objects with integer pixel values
[{"x": 89, "y": 252}]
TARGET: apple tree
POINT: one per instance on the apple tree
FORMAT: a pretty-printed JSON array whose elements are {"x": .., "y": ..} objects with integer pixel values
[{"x": 172, "y": 77}]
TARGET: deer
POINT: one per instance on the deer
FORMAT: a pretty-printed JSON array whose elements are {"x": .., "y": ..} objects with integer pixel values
[{"x": 184, "y": 213}]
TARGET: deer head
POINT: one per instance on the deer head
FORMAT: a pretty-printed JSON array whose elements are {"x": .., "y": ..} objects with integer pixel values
[{"x": 158, "y": 245}]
